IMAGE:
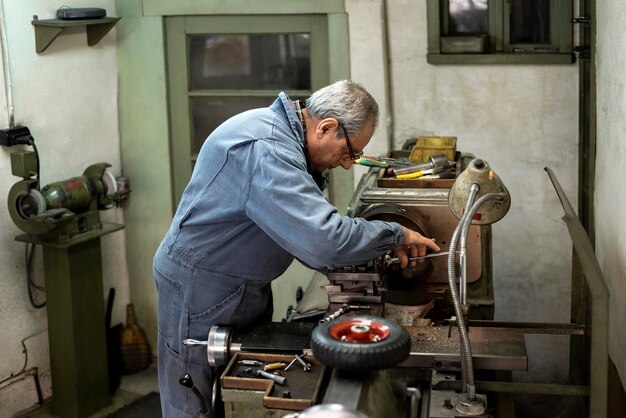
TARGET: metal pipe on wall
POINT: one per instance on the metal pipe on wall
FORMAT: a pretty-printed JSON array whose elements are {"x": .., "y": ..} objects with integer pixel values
[{"x": 388, "y": 76}]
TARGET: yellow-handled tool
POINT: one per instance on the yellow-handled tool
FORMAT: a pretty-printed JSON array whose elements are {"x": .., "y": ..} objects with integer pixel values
[{"x": 417, "y": 174}]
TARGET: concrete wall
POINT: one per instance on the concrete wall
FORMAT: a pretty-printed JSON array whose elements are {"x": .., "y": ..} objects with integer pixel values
[
  {"x": 67, "y": 96},
  {"x": 610, "y": 201},
  {"x": 520, "y": 119}
]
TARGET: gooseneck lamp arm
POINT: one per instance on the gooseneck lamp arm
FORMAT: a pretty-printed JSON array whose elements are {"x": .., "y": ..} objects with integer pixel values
[
  {"x": 474, "y": 188},
  {"x": 478, "y": 182},
  {"x": 461, "y": 232}
]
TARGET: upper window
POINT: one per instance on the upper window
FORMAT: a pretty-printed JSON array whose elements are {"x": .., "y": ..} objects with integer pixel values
[
  {"x": 219, "y": 66},
  {"x": 226, "y": 68},
  {"x": 499, "y": 31},
  {"x": 250, "y": 61}
]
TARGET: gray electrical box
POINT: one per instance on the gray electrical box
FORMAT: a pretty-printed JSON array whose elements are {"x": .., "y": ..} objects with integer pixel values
[{"x": 23, "y": 164}]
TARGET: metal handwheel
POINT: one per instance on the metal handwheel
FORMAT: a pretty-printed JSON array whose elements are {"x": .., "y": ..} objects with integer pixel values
[{"x": 361, "y": 343}]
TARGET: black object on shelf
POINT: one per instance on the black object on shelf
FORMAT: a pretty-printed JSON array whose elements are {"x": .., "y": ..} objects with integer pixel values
[
  {"x": 47, "y": 30},
  {"x": 78, "y": 13}
]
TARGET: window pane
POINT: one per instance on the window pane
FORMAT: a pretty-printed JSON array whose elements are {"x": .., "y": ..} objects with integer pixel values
[
  {"x": 468, "y": 16},
  {"x": 209, "y": 112},
  {"x": 530, "y": 22},
  {"x": 245, "y": 62}
]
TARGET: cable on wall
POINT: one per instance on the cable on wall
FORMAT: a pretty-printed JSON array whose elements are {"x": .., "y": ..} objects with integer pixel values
[
  {"x": 25, "y": 373},
  {"x": 30, "y": 284}
]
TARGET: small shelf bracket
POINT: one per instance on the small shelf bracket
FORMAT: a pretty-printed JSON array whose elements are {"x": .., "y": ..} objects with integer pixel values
[{"x": 47, "y": 30}]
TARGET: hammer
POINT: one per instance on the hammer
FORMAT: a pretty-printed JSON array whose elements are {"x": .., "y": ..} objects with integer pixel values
[{"x": 436, "y": 163}]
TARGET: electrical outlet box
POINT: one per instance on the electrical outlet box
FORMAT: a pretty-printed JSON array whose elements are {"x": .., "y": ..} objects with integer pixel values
[
  {"x": 19, "y": 135},
  {"x": 24, "y": 164}
]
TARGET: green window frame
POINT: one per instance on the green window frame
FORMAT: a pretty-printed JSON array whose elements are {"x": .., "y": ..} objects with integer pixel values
[
  {"x": 178, "y": 31},
  {"x": 498, "y": 48}
]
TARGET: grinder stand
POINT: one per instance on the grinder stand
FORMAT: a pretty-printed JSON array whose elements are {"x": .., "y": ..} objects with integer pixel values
[{"x": 76, "y": 334}]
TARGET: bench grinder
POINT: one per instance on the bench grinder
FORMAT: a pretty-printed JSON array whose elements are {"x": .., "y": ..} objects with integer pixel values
[
  {"x": 63, "y": 217},
  {"x": 62, "y": 209}
]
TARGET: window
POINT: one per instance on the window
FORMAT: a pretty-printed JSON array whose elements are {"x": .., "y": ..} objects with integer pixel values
[
  {"x": 500, "y": 31},
  {"x": 242, "y": 62},
  {"x": 220, "y": 66}
]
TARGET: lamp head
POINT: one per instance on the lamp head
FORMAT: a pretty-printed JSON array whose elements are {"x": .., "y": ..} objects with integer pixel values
[{"x": 478, "y": 172}]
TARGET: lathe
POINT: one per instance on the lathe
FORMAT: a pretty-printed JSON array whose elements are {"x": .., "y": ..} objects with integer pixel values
[{"x": 391, "y": 342}]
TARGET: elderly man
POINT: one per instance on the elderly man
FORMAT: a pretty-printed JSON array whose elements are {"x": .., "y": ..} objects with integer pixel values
[{"x": 254, "y": 202}]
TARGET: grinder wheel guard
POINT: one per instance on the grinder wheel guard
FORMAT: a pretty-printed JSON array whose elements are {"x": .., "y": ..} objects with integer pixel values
[{"x": 360, "y": 343}]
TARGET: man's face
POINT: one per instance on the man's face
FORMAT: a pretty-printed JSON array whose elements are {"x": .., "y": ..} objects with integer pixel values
[{"x": 327, "y": 144}]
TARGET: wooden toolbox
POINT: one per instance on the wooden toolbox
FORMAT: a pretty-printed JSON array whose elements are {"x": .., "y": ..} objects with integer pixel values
[{"x": 301, "y": 389}]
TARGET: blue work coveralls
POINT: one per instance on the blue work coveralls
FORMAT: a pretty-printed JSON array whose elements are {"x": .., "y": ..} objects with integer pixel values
[{"x": 250, "y": 207}]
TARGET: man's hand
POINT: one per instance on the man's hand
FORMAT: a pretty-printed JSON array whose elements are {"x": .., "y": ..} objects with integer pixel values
[{"x": 414, "y": 245}]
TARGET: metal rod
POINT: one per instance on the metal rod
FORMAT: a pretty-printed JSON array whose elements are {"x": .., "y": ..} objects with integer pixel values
[
  {"x": 518, "y": 387},
  {"x": 396, "y": 260},
  {"x": 190, "y": 342},
  {"x": 531, "y": 327},
  {"x": 414, "y": 168}
]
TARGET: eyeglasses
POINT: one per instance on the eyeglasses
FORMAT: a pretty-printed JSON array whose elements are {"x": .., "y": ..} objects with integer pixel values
[{"x": 353, "y": 155}]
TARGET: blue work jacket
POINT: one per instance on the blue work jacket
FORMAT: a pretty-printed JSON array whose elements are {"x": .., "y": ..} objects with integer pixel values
[{"x": 251, "y": 205}]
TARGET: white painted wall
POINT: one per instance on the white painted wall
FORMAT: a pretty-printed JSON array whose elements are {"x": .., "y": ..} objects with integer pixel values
[
  {"x": 610, "y": 200},
  {"x": 518, "y": 118},
  {"x": 67, "y": 96}
]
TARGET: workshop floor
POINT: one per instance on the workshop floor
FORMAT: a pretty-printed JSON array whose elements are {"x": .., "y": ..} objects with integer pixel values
[
  {"x": 132, "y": 387},
  {"x": 141, "y": 383}
]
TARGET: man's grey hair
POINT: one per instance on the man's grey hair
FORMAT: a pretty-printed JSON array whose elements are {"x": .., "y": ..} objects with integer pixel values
[{"x": 346, "y": 101}]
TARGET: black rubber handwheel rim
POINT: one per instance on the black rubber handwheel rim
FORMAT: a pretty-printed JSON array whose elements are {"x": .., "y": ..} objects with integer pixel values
[{"x": 360, "y": 343}]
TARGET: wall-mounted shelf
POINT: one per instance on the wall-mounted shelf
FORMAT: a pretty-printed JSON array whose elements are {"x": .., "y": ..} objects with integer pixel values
[{"x": 47, "y": 30}]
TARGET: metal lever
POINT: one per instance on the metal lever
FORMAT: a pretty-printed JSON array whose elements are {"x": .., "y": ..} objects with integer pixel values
[
  {"x": 396, "y": 260},
  {"x": 305, "y": 366},
  {"x": 187, "y": 382}
]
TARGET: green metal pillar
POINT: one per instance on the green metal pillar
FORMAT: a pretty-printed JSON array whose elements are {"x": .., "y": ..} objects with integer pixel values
[{"x": 76, "y": 332}]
